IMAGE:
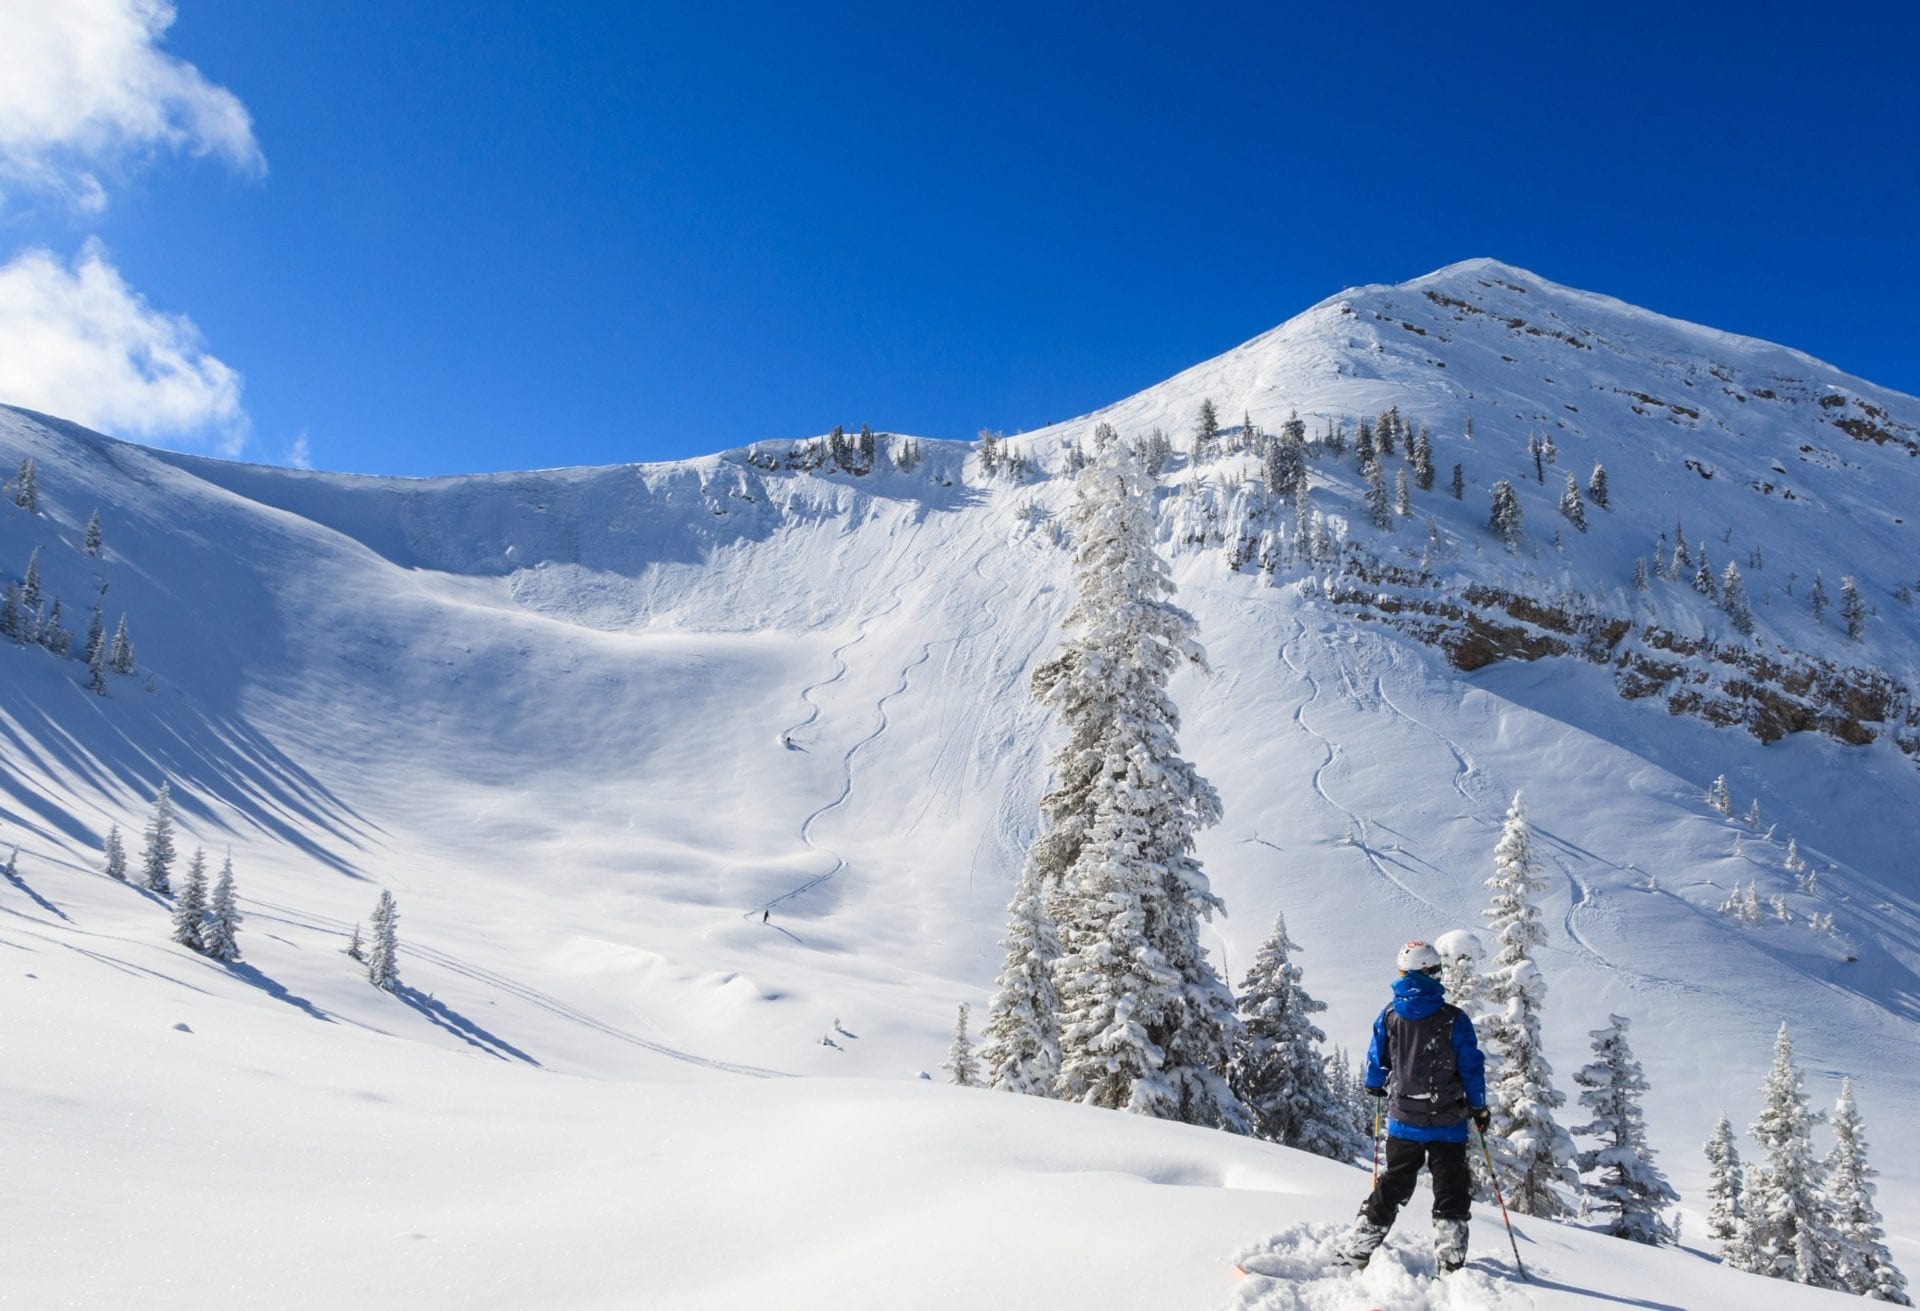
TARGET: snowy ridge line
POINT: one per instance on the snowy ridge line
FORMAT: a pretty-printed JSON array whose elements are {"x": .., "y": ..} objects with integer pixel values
[{"x": 522, "y": 991}]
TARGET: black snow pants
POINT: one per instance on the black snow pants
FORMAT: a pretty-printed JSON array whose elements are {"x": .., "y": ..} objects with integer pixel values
[{"x": 1452, "y": 1186}]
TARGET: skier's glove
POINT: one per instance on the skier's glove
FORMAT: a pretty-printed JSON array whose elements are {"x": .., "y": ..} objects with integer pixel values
[
  {"x": 1376, "y": 1092},
  {"x": 1481, "y": 1118}
]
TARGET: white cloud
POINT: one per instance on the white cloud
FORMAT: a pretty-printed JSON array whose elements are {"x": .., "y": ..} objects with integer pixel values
[
  {"x": 300, "y": 454},
  {"x": 83, "y": 86},
  {"x": 81, "y": 344}
]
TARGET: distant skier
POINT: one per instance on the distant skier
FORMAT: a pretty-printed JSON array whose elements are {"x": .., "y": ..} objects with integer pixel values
[
  {"x": 766, "y": 916},
  {"x": 1426, "y": 1061}
]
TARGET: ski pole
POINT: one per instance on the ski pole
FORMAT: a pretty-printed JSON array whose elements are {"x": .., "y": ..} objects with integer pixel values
[
  {"x": 1494, "y": 1178},
  {"x": 1376, "y": 1142}
]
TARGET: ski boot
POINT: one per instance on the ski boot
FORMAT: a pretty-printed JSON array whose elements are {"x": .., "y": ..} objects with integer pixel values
[
  {"x": 1449, "y": 1245},
  {"x": 1362, "y": 1242}
]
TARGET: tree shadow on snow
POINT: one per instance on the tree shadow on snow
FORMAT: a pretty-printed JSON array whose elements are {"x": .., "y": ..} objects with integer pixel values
[
  {"x": 39, "y": 900},
  {"x": 275, "y": 989},
  {"x": 441, "y": 1016}
]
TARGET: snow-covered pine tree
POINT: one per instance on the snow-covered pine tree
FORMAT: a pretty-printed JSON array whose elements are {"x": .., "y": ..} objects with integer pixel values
[
  {"x": 1640, "y": 578},
  {"x": 1862, "y": 1263},
  {"x": 13, "y": 625},
  {"x": 1704, "y": 581},
  {"x": 960, "y": 1063},
  {"x": 1146, "y": 1025},
  {"x": 1628, "y": 1186},
  {"x": 1853, "y": 611},
  {"x": 218, "y": 936},
  {"x": 1386, "y": 429},
  {"x": 97, "y": 672},
  {"x": 190, "y": 907},
  {"x": 1597, "y": 486},
  {"x": 156, "y": 858},
  {"x": 1753, "y": 819},
  {"x": 1539, "y": 461},
  {"x": 1379, "y": 507},
  {"x": 1206, "y": 433},
  {"x": 383, "y": 955},
  {"x": 1733, "y": 599},
  {"x": 1548, "y": 449},
  {"x": 1724, "y": 1184},
  {"x": 356, "y": 947},
  {"x": 1365, "y": 451},
  {"x": 1422, "y": 457},
  {"x": 116, "y": 854},
  {"x": 1783, "y": 1233},
  {"x": 1021, "y": 1044},
  {"x": 1459, "y": 484},
  {"x": 1682, "y": 563},
  {"x": 1817, "y": 598},
  {"x": 1284, "y": 464},
  {"x": 1571, "y": 505},
  {"x": 1505, "y": 520},
  {"x": 30, "y": 585},
  {"x": 1278, "y": 1070},
  {"x": 120, "y": 657},
  {"x": 54, "y": 637},
  {"x": 1718, "y": 797},
  {"x": 1402, "y": 500},
  {"x": 1532, "y": 1153},
  {"x": 91, "y": 541},
  {"x": 26, "y": 485}
]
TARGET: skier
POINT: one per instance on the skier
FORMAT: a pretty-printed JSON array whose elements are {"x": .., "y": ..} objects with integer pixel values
[{"x": 1426, "y": 1062}]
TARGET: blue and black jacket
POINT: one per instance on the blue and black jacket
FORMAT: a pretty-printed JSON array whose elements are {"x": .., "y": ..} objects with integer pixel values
[{"x": 1440, "y": 1076}]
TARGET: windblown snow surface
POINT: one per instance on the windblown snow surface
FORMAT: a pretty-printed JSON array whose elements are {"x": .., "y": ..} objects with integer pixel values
[{"x": 593, "y": 727}]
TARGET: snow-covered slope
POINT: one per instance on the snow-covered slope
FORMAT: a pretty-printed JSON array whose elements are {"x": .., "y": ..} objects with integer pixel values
[{"x": 588, "y": 725}]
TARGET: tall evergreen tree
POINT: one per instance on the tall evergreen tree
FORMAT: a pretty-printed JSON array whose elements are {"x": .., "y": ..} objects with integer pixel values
[
  {"x": 1784, "y": 1232},
  {"x": 1146, "y": 1024},
  {"x": 1021, "y": 1047},
  {"x": 1724, "y": 1184},
  {"x": 1628, "y": 1186},
  {"x": 13, "y": 618},
  {"x": 91, "y": 542},
  {"x": 116, "y": 854},
  {"x": 190, "y": 907},
  {"x": 1422, "y": 455},
  {"x": 1278, "y": 1070},
  {"x": 1862, "y": 1263},
  {"x": 1597, "y": 485},
  {"x": 1402, "y": 501},
  {"x": 95, "y": 649},
  {"x": 55, "y": 637},
  {"x": 156, "y": 859},
  {"x": 30, "y": 585},
  {"x": 218, "y": 935},
  {"x": 1533, "y": 1154},
  {"x": 1459, "y": 484},
  {"x": 1505, "y": 520},
  {"x": 97, "y": 671},
  {"x": 383, "y": 953},
  {"x": 960, "y": 1062}
]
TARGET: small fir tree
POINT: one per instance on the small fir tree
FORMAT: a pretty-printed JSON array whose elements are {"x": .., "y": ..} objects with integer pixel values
[
  {"x": 13, "y": 619},
  {"x": 26, "y": 486},
  {"x": 190, "y": 907},
  {"x": 356, "y": 948},
  {"x": 90, "y": 541},
  {"x": 1021, "y": 1050},
  {"x": 120, "y": 657},
  {"x": 1537, "y": 453},
  {"x": 1423, "y": 460},
  {"x": 1627, "y": 1185},
  {"x": 156, "y": 858},
  {"x": 960, "y": 1062},
  {"x": 1724, "y": 1184},
  {"x": 1278, "y": 1069},
  {"x": 1853, "y": 611},
  {"x": 1505, "y": 520},
  {"x": 1206, "y": 433},
  {"x": 1571, "y": 506},
  {"x": 30, "y": 585},
  {"x": 1597, "y": 486},
  {"x": 1402, "y": 500},
  {"x": 97, "y": 671},
  {"x": 218, "y": 937},
  {"x": 1459, "y": 483},
  {"x": 1379, "y": 508},
  {"x": 1817, "y": 598},
  {"x": 1640, "y": 579},
  {"x": 1718, "y": 797},
  {"x": 116, "y": 853},
  {"x": 1733, "y": 599},
  {"x": 383, "y": 955},
  {"x": 1862, "y": 1263}
]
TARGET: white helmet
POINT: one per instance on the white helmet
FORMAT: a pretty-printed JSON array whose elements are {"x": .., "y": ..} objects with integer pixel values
[{"x": 1418, "y": 956}]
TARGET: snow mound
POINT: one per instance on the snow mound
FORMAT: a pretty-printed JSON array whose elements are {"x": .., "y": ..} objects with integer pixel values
[{"x": 1299, "y": 1269}]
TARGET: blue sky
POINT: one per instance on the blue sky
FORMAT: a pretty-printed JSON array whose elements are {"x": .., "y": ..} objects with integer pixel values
[{"x": 496, "y": 236}]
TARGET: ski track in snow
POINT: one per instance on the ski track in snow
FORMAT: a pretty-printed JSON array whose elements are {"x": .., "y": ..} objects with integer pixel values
[{"x": 1332, "y": 753}]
